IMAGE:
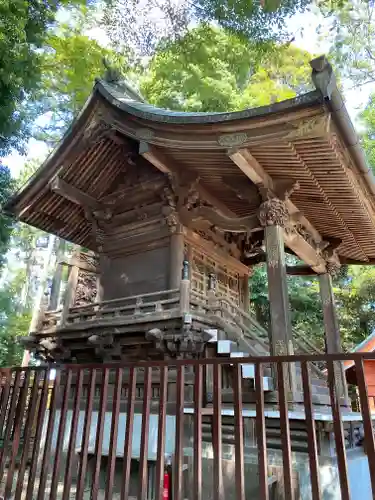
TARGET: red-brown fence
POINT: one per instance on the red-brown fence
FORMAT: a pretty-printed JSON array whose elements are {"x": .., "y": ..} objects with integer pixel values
[{"x": 147, "y": 431}]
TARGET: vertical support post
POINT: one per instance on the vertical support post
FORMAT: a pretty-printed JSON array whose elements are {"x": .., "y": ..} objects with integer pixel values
[
  {"x": 246, "y": 293},
  {"x": 70, "y": 292},
  {"x": 176, "y": 258},
  {"x": 274, "y": 217},
  {"x": 332, "y": 331},
  {"x": 185, "y": 288},
  {"x": 281, "y": 337},
  {"x": 57, "y": 276}
]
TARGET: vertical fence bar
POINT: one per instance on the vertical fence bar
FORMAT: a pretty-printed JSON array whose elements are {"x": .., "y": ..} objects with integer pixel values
[
  {"x": 311, "y": 433},
  {"x": 129, "y": 433},
  {"x": 142, "y": 494},
  {"x": 29, "y": 425},
  {"x": 114, "y": 433},
  {"x": 261, "y": 433},
  {"x": 86, "y": 435},
  {"x": 369, "y": 443},
  {"x": 339, "y": 433},
  {"x": 4, "y": 398},
  {"x": 216, "y": 435},
  {"x": 38, "y": 434},
  {"x": 178, "y": 462},
  {"x": 285, "y": 431},
  {"x": 99, "y": 434},
  {"x": 17, "y": 433},
  {"x": 9, "y": 423},
  {"x": 48, "y": 442},
  {"x": 73, "y": 435},
  {"x": 238, "y": 433},
  {"x": 161, "y": 432},
  {"x": 198, "y": 401},
  {"x": 60, "y": 436}
]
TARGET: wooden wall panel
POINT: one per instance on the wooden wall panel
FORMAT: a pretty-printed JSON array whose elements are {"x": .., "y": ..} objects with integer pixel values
[{"x": 136, "y": 274}]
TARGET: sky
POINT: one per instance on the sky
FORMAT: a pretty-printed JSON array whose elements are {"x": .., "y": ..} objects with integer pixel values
[{"x": 303, "y": 26}]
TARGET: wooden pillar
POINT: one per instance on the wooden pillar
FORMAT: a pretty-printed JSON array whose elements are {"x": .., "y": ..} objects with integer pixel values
[
  {"x": 273, "y": 216},
  {"x": 331, "y": 325},
  {"x": 57, "y": 276},
  {"x": 281, "y": 329},
  {"x": 70, "y": 292},
  {"x": 246, "y": 293},
  {"x": 176, "y": 258},
  {"x": 332, "y": 330}
]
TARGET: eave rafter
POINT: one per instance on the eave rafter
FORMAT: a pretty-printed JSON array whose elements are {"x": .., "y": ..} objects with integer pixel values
[{"x": 307, "y": 249}]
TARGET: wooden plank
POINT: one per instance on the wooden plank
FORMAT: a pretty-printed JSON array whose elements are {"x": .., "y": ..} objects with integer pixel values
[{"x": 71, "y": 193}]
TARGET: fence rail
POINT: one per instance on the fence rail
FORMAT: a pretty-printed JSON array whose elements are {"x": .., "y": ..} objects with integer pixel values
[{"x": 87, "y": 432}]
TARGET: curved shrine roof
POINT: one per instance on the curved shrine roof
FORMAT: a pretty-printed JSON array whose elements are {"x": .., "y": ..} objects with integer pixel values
[{"x": 308, "y": 139}]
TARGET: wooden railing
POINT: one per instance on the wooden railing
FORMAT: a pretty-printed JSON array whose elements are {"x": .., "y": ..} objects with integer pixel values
[
  {"x": 124, "y": 307},
  {"x": 89, "y": 432}
]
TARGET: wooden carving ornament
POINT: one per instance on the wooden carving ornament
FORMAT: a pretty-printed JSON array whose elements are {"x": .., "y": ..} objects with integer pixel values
[{"x": 273, "y": 212}]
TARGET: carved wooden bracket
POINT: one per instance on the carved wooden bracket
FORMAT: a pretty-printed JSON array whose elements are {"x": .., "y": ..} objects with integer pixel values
[{"x": 185, "y": 343}]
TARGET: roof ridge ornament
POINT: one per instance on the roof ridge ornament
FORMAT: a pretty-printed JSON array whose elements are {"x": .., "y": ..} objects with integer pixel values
[
  {"x": 114, "y": 76},
  {"x": 323, "y": 76}
]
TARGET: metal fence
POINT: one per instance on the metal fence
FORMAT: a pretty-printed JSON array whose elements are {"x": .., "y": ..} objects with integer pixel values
[{"x": 149, "y": 431}]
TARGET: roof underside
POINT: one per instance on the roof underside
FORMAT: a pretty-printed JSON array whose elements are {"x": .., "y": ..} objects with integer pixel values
[{"x": 295, "y": 140}]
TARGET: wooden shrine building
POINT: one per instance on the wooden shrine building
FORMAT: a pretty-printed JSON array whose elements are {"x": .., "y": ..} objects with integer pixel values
[{"x": 174, "y": 209}]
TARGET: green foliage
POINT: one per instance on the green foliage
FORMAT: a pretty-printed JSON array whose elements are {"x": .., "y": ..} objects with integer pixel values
[
  {"x": 70, "y": 65},
  {"x": 354, "y": 291},
  {"x": 23, "y": 29},
  {"x": 352, "y": 33},
  {"x": 212, "y": 70},
  {"x": 6, "y": 224},
  {"x": 368, "y": 138},
  {"x": 14, "y": 320},
  {"x": 260, "y": 20}
]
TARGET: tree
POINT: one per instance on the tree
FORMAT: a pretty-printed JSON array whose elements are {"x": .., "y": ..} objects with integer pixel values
[
  {"x": 144, "y": 25},
  {"x": 70, "y": 64},
  {"x": 257, "y": 20},
  {"x": 212, "y": 70},
  {"x": 6, "y": 224},
  {"x": 352, "y": 33},
  {"x": 368, "y": 136},
  {"x": 24, "y": 25}
]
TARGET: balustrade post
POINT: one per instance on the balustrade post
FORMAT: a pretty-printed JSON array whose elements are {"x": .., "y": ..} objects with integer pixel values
[{"x": 185, "y": 289}]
